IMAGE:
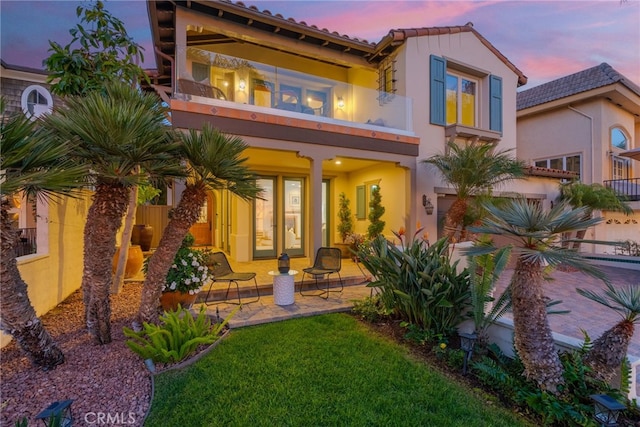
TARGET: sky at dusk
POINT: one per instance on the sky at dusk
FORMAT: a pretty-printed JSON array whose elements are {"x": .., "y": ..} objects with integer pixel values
[{"x": 544, "y": 39}]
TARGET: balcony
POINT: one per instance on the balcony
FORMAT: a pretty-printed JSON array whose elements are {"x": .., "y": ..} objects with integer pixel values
[
  {"x": 627, "y": 189},
  {"x": 231, "y": 83}
]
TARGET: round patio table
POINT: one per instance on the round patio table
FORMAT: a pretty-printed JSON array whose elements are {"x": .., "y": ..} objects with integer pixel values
[{"x": 283, "y": 287}]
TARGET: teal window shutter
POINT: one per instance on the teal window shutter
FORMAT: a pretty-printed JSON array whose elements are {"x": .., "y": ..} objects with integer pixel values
[
  {"x": 361, "y": 208},
  {"x": 437, "y": 89},
  {"x": 495, "y": 106}
]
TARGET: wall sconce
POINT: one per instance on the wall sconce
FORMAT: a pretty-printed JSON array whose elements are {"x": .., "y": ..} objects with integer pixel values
[
  {"x": 428, "y": 206},
  {"x": 242, "y": 85},
  {"x": 340, "y": 102},
  {"x": 58, "y": 413},
  {"x": 606, "y": 409}
]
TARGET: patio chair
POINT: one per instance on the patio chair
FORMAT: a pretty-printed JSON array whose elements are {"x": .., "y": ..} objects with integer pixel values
[
  {"x": 328, "y": 261},
  {"x": 222, "y": 272}
]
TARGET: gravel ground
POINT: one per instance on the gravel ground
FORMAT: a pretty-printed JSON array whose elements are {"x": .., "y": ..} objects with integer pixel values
[{"x": 109, "y": 384}]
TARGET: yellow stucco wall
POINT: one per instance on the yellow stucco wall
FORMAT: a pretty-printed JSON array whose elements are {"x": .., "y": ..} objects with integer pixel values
[{"x": 55, "y": 272}]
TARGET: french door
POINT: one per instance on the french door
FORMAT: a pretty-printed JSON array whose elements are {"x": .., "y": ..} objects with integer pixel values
[{"x": 279, "y": 220}]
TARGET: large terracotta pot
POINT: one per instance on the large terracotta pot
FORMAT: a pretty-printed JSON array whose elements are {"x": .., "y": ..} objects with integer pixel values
[
  {"x": 171, "y": 300},
  {"x": 142, "y": 234},
  {"x": 134, "y": 261}
]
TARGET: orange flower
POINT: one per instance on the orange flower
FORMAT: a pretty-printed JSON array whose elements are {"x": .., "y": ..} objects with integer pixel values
[
  {"x": 425, "y": 236},
  {"x": 418, "y": 225},
  {"x": 401, "y": 232}
]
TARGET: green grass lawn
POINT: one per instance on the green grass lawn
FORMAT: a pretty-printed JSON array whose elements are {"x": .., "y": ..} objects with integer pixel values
[{"x": 327, "y": 370}]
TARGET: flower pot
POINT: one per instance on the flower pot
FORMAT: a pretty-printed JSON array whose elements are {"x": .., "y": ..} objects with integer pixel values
[
  {"x": 170, "y": 300},
  {"x": 344, "y": 249},
  {"x": 142, "y": 234},
  {"x": 134, "y": 261}
]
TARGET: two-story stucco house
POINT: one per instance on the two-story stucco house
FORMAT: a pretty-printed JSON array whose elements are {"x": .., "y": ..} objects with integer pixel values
[
  {"x": 586, "y": 122},
  {"x": 325, "y": 113}
]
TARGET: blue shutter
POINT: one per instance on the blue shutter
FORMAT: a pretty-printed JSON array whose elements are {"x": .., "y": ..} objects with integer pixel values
[
  {"x": 437, "y": 89},
  {"x": 495, "y": 104}
]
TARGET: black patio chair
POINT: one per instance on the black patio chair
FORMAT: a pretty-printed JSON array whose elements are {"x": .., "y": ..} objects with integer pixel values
[
  {"x": 222, "y": 272},
  {"x": 328, "y": 261}
]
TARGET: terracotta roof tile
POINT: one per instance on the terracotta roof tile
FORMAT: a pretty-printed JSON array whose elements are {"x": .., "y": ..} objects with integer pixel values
[{"x": 582, "y": 81}]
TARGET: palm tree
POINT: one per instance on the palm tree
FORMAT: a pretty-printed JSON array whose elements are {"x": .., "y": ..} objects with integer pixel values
[
  {"x": 593, "y": 197},
  {"x": 472, "y": 170},
  {"x": 34, "y": 166},
  {"x": 610, "y": 349},
  {"x": 214, "y": 162},
  {"x": 119, "y": 133},
  {"x": 534, "y": 234}
]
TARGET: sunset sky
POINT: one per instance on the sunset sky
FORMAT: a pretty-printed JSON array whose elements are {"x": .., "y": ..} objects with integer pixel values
[{"x": 544, "y": 39}]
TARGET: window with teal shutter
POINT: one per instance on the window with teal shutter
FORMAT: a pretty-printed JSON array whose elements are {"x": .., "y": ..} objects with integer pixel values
[
  {"x": 495, "y": 105},
  {"x": 437, "y": 88},
  {"x": 361, "y": 203}
]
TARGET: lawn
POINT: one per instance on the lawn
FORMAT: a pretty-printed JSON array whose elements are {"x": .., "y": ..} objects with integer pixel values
[{"x": 328, "y": 370}]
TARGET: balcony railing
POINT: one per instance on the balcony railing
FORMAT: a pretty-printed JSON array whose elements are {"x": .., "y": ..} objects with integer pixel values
[
  {"x": 26, "y": 242},
  {"x": 213, "y": 78},
  {"x": 627, "y": 189}
]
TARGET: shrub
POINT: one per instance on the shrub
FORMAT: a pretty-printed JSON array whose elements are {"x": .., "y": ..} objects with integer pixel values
[
  {"x": 369, "y": 309},
  {"x": 176, "y": 337},
  {"x": 418, "y": 282},
  {"x": 571, "y": 406}
]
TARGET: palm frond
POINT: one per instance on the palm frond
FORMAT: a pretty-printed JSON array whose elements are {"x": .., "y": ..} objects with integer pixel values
[
  {"x": 625, "y": 300},
  {"x": 215, "y": 160}
]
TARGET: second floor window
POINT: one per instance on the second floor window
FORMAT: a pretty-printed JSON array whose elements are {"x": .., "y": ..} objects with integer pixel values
[
  {"x": 387, "y": 80},
  {"x": 461, "y": 100},
  {"x": 457, "y": 98},
  {"x": 619, "y": 168}
]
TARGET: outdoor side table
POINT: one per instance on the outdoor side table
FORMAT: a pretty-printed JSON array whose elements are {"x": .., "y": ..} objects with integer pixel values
[{"x": 283, "y": 287}]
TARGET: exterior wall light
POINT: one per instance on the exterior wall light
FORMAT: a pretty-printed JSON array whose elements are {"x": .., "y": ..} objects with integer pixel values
[
  {"x": 242, "y": 85},
  {"x": 428, "y": 206},
  {"x": 340, "y": 102}
]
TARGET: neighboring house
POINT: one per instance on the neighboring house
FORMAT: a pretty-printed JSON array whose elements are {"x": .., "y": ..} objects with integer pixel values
[
  {"x": 51, "y": 246},
  {"x": 325, "y": 113},
  {"x": 582, "y": 123}
]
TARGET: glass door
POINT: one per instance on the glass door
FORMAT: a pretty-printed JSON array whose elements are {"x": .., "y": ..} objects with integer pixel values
[
  {"x": 293, "y": 221},
  {"x": 265, "y": 220},
  {"x": 326, "y": 225}
]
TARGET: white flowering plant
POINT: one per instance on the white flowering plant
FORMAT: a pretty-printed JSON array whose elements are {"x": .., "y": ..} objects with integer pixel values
[{"x": 189, "y": 271}]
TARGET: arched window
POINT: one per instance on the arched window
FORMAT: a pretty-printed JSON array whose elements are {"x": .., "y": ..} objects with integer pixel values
[
  {"x": 36, "y": 101},
  {"x": 619, "y": 139}
]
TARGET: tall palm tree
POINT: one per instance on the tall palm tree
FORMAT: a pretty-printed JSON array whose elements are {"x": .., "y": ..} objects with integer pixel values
[
  {"x": 472, "y": 170},
  {"x": 119, "y": 131},
  {"x": 610, "y": 349},
  {"x": 593, "y": 197},
  {"x": 34, "y": 166},
  {"x": 214, "y": 162},
  {"x": 535, "y": 235}
]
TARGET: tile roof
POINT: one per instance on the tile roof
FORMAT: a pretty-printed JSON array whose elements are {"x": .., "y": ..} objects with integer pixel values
[
  {"x": 402, "y": 34},
  {"x": 582, "y": 81}
]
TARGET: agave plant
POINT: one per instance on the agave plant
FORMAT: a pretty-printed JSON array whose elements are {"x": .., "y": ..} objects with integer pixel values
[{"x": 610, "y": 349}]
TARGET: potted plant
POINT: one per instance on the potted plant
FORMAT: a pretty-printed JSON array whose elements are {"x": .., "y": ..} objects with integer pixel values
[
  {"x": 345, "y": 224},
  {"x": 142, "y": 234},
  {"x": 186, "y": 277}
]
